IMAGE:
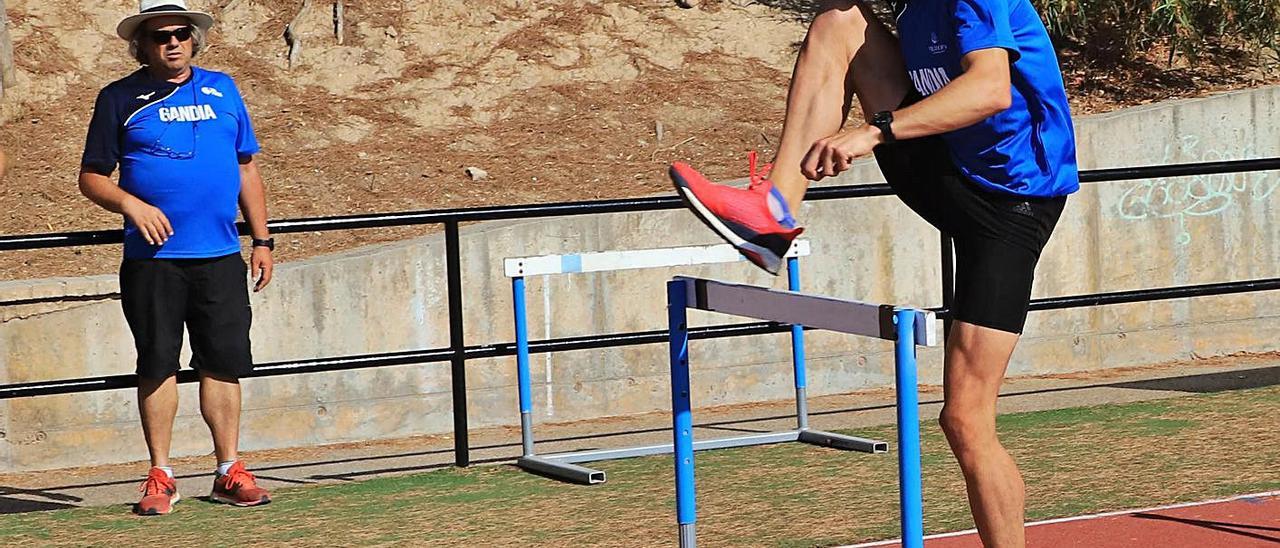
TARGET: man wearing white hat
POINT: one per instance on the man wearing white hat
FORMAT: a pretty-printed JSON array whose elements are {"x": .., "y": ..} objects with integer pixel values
[{"x": 184, "y": 144}]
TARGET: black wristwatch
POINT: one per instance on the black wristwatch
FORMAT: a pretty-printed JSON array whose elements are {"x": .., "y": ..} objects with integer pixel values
[
  {"x": 884, "y": 121},
  {"x": 269, "y": 243}
]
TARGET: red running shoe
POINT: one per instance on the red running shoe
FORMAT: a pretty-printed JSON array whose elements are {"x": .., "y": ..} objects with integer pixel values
[
  {"x": 740, "y": 216},
  {"x": 238, "y": 488},
  {"x": 159, "y": 494}
]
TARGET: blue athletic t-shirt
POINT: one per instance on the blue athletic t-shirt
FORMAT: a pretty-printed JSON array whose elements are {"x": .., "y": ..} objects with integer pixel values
[
  {"x": 1029, "y": 149},
  {"x": 179, "y": 147}
]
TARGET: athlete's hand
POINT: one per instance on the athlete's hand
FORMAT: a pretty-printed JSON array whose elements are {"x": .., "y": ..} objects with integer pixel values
[
  {"x": 151, "y": 222},
  {"x": 261, "y": 266},
  {"x": 832, "y": 155}
]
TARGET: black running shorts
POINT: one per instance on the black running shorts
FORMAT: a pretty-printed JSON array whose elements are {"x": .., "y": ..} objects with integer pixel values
[
  {"x": 998, "y": 236},
  {"x": 209, "y": 296}
]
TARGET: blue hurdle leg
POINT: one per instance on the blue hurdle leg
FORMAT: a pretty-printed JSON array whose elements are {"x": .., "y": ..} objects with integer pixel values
[
  {"x": 909, "y": 496},
  {"x": 797, "y": 350},
  {"x": 522, "y": 366},
  {"x": 681, "y": 414}
]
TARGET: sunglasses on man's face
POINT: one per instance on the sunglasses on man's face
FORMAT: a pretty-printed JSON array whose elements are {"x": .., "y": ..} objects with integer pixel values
[{"x": 161, "y": 37}]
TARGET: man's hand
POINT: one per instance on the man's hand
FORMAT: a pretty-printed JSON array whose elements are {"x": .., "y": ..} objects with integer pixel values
[
  {"x": 151, "y": 222},
  {"x": 253, "y": 204},
  {"x": 260, "y": 266},
  {"x": 832, "y": 155}
]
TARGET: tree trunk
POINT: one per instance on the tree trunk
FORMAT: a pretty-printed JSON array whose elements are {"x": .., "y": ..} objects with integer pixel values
[
  {"x": 8, "y": 78},
  {"x": 291, "y": 36},
  {"x": 339, "y": 20}
]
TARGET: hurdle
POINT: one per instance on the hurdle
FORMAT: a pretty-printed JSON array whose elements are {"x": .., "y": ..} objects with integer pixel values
[
  {"x": 907, "y": 327},
  {"x": 565, "y": 466}
]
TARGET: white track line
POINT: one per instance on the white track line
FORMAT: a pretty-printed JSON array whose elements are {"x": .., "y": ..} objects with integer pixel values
[{"x": 1079, "y": 518}]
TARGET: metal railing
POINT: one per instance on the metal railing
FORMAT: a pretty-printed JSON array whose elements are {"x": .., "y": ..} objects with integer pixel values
[{"x": 457, "y": 354}]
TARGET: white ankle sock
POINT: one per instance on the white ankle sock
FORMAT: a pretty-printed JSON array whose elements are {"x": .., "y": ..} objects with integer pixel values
[
  {"x": 224, "y": 466},
  {"x": 168, "y": 470},
  {"x": 778, "y": 207}
]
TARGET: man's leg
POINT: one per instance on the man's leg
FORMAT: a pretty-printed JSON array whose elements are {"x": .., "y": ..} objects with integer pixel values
[
  {"x": 219, "y": 323},
  {"x": 158, "y": 405},
  {"x": 220, "y": 407},
  {"x": 847, "y": 52},
  {"x": 976, "y": 359},
  {"x": 153, "y": 297}
]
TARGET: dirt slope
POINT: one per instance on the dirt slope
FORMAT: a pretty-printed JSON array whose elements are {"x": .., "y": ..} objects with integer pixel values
[{"x": 556, "y": 99}]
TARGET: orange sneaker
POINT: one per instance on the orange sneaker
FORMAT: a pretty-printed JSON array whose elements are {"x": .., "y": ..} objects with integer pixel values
[
  {"x": 741, "y": 216},
  {"x": 238, "y": 488},
  {"x": 159, "y": 494}
]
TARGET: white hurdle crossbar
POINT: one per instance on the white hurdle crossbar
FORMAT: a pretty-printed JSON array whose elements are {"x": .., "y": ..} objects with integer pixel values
[
  {"x": 564, "y": 466},
  {"x": 908, "y": 327},
  {"x": 608, "y": 261},
  {"x": 818, "y": 312}
]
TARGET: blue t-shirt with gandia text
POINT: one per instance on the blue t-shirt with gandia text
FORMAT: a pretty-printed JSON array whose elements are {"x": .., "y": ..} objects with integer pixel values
[
  {"x": 179, "y": 147},
  {"x": 1028, "y": 149}
]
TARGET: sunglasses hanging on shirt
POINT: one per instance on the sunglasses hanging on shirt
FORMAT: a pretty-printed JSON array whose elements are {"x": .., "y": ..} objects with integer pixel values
[
  {"x": 161, "y": 37},
  {"x": 158, "y": 148}
]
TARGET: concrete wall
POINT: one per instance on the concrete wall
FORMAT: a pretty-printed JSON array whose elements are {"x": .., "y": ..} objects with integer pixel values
[{"x": 1113, "y": 236}]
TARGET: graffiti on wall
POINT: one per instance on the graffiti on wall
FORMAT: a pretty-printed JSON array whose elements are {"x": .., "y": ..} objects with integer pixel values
[{"x": 1180, "y": 198}]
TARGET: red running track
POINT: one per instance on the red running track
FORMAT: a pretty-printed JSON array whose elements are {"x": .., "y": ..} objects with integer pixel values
[{"x": 1249, "y": 521}]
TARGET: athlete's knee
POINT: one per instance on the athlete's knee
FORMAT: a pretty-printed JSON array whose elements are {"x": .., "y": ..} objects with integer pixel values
[
  {"x": 836, "y": 18},
  {"x": 967, "y": 430},
  {"x": 953, "y": 424}
]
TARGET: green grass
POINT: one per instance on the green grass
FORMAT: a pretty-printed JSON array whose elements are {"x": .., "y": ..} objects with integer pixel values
[{"x": 1075, "y": 461}]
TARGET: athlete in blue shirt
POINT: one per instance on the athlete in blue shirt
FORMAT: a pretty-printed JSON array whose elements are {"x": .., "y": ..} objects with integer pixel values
[
  {"x": 182, "y": 139},
  {"x": 968, "y": 119}
]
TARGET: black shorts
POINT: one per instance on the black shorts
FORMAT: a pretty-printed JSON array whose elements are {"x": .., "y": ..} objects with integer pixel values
[
  {"x": 209, "y": 296},
  {"x": 998, "y": 236}
]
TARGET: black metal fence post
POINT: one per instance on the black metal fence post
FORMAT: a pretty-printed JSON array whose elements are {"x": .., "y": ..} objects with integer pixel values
[
  {"x": 457, "y": 344},
  {"x": 948, "y": 282}
]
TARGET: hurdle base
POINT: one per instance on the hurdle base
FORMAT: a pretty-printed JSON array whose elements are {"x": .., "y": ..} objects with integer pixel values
[
  {"x": 841, "y": 441},
  {"x": 563, "y": 466},
  {"x": 562, "y": 471}
]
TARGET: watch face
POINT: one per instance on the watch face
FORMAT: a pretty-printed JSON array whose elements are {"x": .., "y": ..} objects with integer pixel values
[{"x": 884, "y": 121}]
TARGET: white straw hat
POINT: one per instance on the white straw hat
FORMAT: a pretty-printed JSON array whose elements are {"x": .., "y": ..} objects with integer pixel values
[{"x": 148, "y": 9}]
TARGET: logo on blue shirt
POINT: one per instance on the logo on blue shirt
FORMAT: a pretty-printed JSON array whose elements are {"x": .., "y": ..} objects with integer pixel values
[
  {"x": 936, "y": 47},
  {"x": 190, "y": 113},
  {"x": 929, "y": 80}
]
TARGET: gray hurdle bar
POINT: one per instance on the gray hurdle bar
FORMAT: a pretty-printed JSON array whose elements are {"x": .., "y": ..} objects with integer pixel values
[
  {"x": 908, "y": 327},
  {"x": 564, "y": 466}
]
